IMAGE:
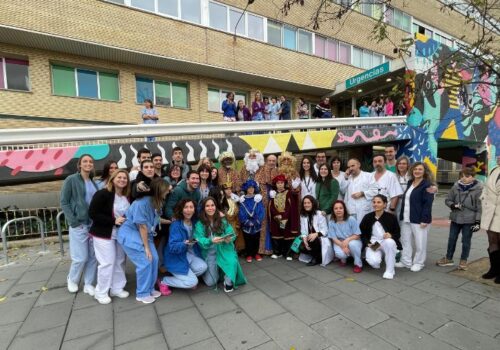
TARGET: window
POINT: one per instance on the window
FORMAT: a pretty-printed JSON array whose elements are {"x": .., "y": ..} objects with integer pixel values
[
  {"x": 289, "y": 37},
  {"x": 305, "y": 41},
  {"x": 168, "y": 7},
  {"x": 118, "y": 1},
  {"x": 357, "y": 57},
  {"x": 320, "y": 46},
  {"x": 399, "y": 19},
  {"x": 367, "y": 59},
  {"x": 273, "y": 33},
  {"x": 191, "y": 10},
  {"x": 234, "y": 17},
  {"x": 148, "y": 5},
  {"x": 255, "y": 27},
  {"x": 331, "y": 49},
  {"x": 217, "y": 96},
  {"x": 344, "y": 53},
  {"x": 79, "y": 82},
  {"x": 14, "y": 74},
  {"x": 162, "y": 93},
  {"x": 217, "y": 16},
  {"x": 377, "y": 59}
]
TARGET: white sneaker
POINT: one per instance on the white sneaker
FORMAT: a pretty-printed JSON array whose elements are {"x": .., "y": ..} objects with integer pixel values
[
  {"x": 121, "y": 294},
  {"x": 155, "y": 294},
  {"x": 289, "y": 258},
  {"x": 72, "y": 287},
  {"x": 104, "y": 300},
  {"x": 400, "y": 264},
  {"x": 274, "y": 256},
  {"x": 388, "y": 276},
  {"x": 146, "y": 300},
  {"x": 89, "y": 289},
  {"x": 416, "y": 267}
]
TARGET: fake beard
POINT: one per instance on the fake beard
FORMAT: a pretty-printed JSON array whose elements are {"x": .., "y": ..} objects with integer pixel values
[{"x": 252, "y": 165}]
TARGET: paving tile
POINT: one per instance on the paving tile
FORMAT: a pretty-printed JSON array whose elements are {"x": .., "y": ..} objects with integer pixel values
[
  {"x": 45, "y": 340},
  {"x": 88, "y": 321},
  {"x": 208, "y": 344},
  {"x": 156, "y": 341},
  {"x": 465, "y": 338},
  {"x": 6, "y": 284},
  {"x": 46, "y": 317},
  {"x": 407, "y": 277},
  {"x": 268, "y": 346},
  {"x": 305, "y": 308},
  {"x": 345, "y": 334},
  {"x": 235, "y": 330},
  {"x": 178, "y": 300},
  {"x": 451, "y": 293},
  {"x": 360, "y": 291},
  {"x": 7, "y": 333},
  {"x": 441, "y": 277},
  {"x": 212, "y": 303},
  {"x": 127, "y": 328},
  {"x": 415, "y": 316},
  {"x": 321, "y": 274},
  {"x": 368, "y": 275},
  {"x": 402, "y": 291},
  {"x": 13, "y": 272},
  {"x": 272, "y": 286},
  {"x": 53, "y": 296},
  {"x": 364, "y": 315},
  {"x": 41, "y": 275},
  {"x": 406, "y": 337},
  {"x": 25, "y": 290},
  {"x": 58, "y": 280},
  {"x": 284, "y": 272},
  {"x": 314, "y": 288},
  {"x": 13, "y": 311},
  {"x": 288, "y": 332},
  {"x": 184, "y": 328},
  {"x": 482, "y": 289},
  {"x": 489, "y": 306},
  {"x": 83, "y": 300},
  {"x": 97, "y": 341},
  {"x": 258, "y": 305}
]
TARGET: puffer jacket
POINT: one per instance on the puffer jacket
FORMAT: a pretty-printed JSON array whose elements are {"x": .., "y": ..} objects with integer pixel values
[{"x": 470, "y": 201}]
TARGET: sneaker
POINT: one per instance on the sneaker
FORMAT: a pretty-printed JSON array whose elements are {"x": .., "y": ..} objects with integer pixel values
[
  {"x": 72, "y": 287},
  {"x": 463, "y": 265},
  {"x": 228, "y": 289},
  {"x": 401, "y": 265},
  {"x": 121, "y": 294},
  {"x": 249, "y": 259},
  {"x": 357, "y": 269},
  {"x": 155, "y": 294},
  {"x": 416, "y": 267},
  {"x": 164, "y": 290},
  {"x": 274, "y": 256},
  {"x": 388, "y": 276},
  {"x": 258, "y": 257},
  {"x": 146, "y": 300},
  {"x": 89, "y": 289},
  {"x": 444, "y": 262},
  {"x": 342, "y": 263},
  {"x": 104, "y": 300},
  {"x": 289, "y": 258}
]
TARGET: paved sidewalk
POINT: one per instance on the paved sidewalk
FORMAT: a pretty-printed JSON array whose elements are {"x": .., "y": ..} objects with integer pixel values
[{"x": 285, "y": 305}]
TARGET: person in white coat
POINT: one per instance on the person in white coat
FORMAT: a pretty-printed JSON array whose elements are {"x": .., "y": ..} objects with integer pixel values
[
  {"x": 313, "y": 228},
  {"x": 490, "y": 220},
  {"x": 357, "y": 184},
  {"x": 308, "y": 178}
]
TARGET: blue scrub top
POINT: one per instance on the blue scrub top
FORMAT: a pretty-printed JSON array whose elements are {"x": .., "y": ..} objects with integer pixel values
[
  {"x": 343, "y": 230},
  {"x": 140, "y": 212}
]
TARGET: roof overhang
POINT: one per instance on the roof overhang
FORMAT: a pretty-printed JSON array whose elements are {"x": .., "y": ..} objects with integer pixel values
[{"x": 47, "y": 41}]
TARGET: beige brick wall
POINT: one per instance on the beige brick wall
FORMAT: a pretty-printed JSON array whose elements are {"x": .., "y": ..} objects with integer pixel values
[{"x": 41, "y": 102}]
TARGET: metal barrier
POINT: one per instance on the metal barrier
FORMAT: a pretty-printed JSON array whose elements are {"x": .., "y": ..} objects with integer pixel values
[
  {"x": 59, "y": 231},
  {"x": 25, "y": 229},
  {"x": 27, "y": 218}
]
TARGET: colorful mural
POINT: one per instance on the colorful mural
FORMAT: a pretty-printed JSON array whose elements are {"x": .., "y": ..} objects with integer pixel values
[{"x": 44, "y": 164}]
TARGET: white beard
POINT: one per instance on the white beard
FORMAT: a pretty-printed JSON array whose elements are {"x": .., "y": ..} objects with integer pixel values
[{"x": 252, "y": 165}]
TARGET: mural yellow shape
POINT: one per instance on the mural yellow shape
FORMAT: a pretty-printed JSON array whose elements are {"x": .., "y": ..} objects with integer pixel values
[
  {"x": 450, "y": 132},
  {"x": 268, "y": 143},
  {"x": 314, "y": 139},
  {"x": 431, "y": 165}
]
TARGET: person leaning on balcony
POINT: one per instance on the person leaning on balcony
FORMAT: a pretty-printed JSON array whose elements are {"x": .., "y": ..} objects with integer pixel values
[
  {"x": 258, "y": 107},
  {"x": 107, "y": 210},
  {"x": 323, "y": 109},
  {"x": 274, "y": 109},
  {"x": 76, "y": 193},
  {"x": 490, "y": 220},
  {"x": 389, "y": 107},
  {"x": 242, "y": 112},
  {"x": 284, "y": 111},
  {"x": 364, "y": 110},
  {"x": 302, "y": 110},
  {"x": 229, "y": 108}
]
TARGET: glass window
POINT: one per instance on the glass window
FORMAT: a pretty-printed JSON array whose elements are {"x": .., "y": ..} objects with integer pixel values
[
  {"x": 320, "y": 46},
  {"x": 118, "y": 1},
  {"x": 16, "y": 72},
  {"x": 234, "y": 17},
  {"x": 63, "y": 81},
  {"x": 389, "y": 15},
  {"x": 289, "y": 37},
  {"x": 162, "y": 93},
  {"x": 255, "y": 27},
  {"x": 357, "y": 57},
  {"x": 366, "y": 8},
  {"x": 108, "y": 86},
  {"x": 168, "y": 7},
  {"x": 214, "y": 100},
  {"x": 144, "y": 89},
  {"x": 180, "y": 95},
  {"x": 2, "y": 82},
  {"x": 87, "y": 83},
  {"x": 377, "y": 10},
  {"x": 217, "y": 16},
  {"x": 367, "y": 59},
  {"x": 377, "y": 59},
  {"x": 331, "y": 49},
  {"x": 406, "y": 23},
  {"x": 428, "y": 33},
  {"x": 415, "y": 28},
  {"x": 273, "y": 33},
  {"x": 398, "y": 18},
  {"x": 305, "y": 41},
  {"x": 191, "y": 10},
  {"x": 344, "y": 53},
  {"x": 148, "y": 5}
]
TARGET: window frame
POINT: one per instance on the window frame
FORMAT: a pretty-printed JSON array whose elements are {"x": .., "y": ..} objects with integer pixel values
[
  {"x": 3, "y": 62},
  {"x": 222, "y": 96},
  {"x": 170, "y": 82}
]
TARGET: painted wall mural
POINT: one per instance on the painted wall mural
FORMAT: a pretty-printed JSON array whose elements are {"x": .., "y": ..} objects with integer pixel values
[{"x": 44, "y": 164}]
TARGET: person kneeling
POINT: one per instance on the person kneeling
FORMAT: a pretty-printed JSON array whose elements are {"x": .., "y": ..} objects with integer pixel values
[
  {"x": 182, "y": 254},
  {"x": 312, "y": 228},
  {"x": 380, "y": 234},
  {"x": 215, "y": 238}
]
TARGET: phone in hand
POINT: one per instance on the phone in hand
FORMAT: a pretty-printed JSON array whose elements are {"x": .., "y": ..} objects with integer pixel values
[{"x": 192, "y": 241}]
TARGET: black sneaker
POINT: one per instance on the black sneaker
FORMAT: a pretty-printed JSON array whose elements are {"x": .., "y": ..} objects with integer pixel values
[{"x": 228, "y": 289}]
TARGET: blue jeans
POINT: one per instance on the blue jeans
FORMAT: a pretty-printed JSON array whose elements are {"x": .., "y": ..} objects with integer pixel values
[
  {"x": 146, "y": 271},
  {"x": 453, "y": 237},
  {"x": 82, "y": 253}
]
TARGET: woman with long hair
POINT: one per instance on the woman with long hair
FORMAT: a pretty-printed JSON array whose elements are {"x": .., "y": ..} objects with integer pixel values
[
  {"x": 313, "y": 226},
  {"x": 76, "y": 194},
  {"x": 258, "y": 107},
  {"x": 344, "y": 232},
  {"x": 339, "y": 175},
  {"x": 308, "y": 178},
  {"x": 136, "y": 237},
  {"x": 416, "y": 214},
  {"x": 205, "y": 181},
  {"x": 107, "y": 211},
  {"x": 109, "y": 168},
  {"x": 327, "y": 189},
  {"x": 205, "y": 161},
  {"x": 215, "y": 237}
]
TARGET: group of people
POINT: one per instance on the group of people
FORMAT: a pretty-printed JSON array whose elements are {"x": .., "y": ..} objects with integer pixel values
[
  {"x": 179, "y": 226},
  {"x": 382, "y": 108}
]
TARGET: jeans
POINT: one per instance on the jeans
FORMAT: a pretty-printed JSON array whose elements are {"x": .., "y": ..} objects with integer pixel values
[
  {"x": 82, "y": 254},
  {"x": 197, "y": 267},
  {"x": 453, "y": 237}
]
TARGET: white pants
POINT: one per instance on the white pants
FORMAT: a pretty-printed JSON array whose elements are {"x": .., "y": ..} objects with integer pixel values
[
  {"x": 197, "y": 267},
  {"x": 111, "y": 270},
  {"x": 410, "y": 232},
  {"x": 355, "y": 247},
  {"x": 374, "y": 258}
]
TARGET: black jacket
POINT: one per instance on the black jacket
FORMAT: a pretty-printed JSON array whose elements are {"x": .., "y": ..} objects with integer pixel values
[
  {"x": 133, "y": 185},
  {"x": 388, "y": 221},
  {"x": 101, "y": 213}
]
